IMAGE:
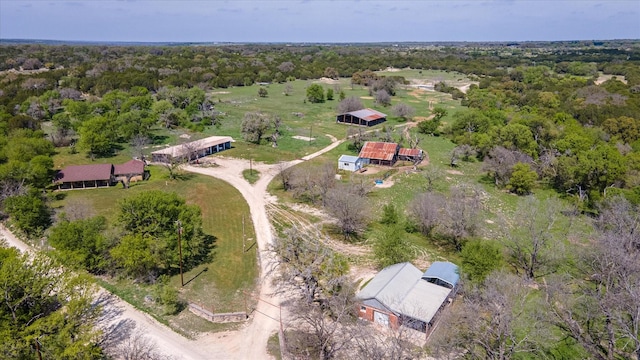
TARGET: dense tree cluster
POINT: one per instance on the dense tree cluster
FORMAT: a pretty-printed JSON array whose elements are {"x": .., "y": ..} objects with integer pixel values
[
  {"x": 144, "y": 243},
  {"x": 46, "y": 311}
]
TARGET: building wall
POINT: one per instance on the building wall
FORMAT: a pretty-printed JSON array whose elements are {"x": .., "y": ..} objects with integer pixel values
[{"x": 367, "y": 313}]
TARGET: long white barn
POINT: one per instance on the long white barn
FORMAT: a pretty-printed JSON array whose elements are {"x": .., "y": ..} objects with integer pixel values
[{"x": 193, "y": 149}]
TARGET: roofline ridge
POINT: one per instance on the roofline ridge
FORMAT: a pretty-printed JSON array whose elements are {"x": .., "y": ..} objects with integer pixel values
[
  {"x": 393, "y": 277},
  {"x": 387, "y": 283}
]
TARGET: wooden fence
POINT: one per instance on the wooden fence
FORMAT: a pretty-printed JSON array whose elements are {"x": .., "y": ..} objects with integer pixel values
[{"x": 217, "y": 317}]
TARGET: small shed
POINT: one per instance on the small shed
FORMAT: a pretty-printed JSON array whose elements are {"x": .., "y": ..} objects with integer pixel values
[
  {"x": 413, "y": 155},
  {"x": 351, "y": 163},
  {"x": 364, "y": 117}
]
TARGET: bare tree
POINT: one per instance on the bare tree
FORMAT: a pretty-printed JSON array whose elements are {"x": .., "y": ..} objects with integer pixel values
[
  {"x": 350, "y": 210},
  {"x": 304, "y": 266},
  {"x": 461, "y": 213},
  {"x": 312, "y": 183},
  {"x": 382, "y": 97},
  {"x": 136, "y": 346},
  {"x": 461, "y": 152},
  {"x": 358, "y": 137},
  {"x": 138, "y": 142},
  {"x": 403, "y": 110},
  {"x": 323, "y": 330},
  {"x": 395, "y": 344},
  {"x": 288, "y": 90},
  {"x": 431, "y": 174},
  {"x": 349, "y": 104},
  {"x": 496, "y": 321},
  {"x": 190, "y": 150},
  {"x": 414, "y": 140},
  {"x": 618, "y": 216},
  {"x": 285, "y": 174},
  {"x": 600, "y": 308},
  {"x": 531, "y": 246},
  {"x": 12, "y": 187},
  {"x": 425, "y": 211},
  {"x": 500, "y": 161},
  {"x": 360, "y": 185},
  {"x": 78, "y": 209}
]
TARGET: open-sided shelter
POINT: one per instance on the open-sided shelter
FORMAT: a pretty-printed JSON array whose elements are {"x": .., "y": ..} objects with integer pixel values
[
  {"x": 85, "y": 176},
  {"x": 380, "y": 153},
  {"x": 193, "y": 149},
  {"x": 413, "y": 155},
  {"x": 402, "y": 295},
  {"x": 364, "y": 117},
  {"x": 99, "y": 175}
]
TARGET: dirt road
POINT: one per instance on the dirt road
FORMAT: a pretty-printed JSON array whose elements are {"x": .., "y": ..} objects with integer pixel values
[
  {"x": 120, "y": 319},
  {"x": 252, "y": 340}
]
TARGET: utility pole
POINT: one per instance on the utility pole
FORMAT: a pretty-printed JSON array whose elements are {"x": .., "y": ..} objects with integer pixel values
[
  {"x": 243, "y": 241},
  {"x": 180, "y": 249}
]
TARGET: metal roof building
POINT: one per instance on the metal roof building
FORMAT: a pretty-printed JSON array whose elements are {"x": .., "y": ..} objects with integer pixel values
[
  {"x": 364, "y": 117},
  {"x": 194, "y": 149},
  {"x": 442, "y": 273},
  {"x": 380, "y": 153},
  {"x": 401, "y": 294}
]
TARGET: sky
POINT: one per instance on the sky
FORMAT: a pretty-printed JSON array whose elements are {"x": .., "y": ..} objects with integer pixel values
[{"x": 318, "y": 21}]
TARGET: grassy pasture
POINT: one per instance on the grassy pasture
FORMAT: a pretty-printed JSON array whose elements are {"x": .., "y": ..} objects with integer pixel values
[{"x": 218, "y": 284}]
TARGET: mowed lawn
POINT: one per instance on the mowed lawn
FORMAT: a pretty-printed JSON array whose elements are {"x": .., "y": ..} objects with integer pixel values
[{"x": 219, "y": 284}]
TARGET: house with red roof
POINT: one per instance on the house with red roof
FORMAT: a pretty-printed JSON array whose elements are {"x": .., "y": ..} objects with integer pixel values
[{"x": 99, "y": 175}]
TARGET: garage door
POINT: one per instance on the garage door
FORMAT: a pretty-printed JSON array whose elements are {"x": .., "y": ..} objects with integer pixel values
[{"x": 381, "y": 318}]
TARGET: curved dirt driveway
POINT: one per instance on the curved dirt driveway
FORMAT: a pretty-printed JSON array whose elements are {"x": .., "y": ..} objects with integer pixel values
[{"x": 251, "y": 341}]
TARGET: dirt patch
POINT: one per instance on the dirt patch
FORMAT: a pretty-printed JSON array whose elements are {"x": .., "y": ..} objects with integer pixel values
[
  {"x": 326, "y": 80},
  {"x": 602, "y": 78},
  {"x": 305, "y": 138},
  {"x": 366, "y": 97},
  {"x": 219, "y": 92},
  {"x": 455, "y": 172},
  {"x": 362, "y": 274}
]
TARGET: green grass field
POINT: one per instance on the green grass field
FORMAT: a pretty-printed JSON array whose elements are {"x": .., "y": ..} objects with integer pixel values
[{"x": 219, "y": 284}]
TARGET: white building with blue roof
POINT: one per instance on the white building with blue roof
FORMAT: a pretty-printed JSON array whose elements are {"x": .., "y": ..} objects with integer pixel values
[
  {"x": 402, "y": 295},
  {"x": 351, "y": 163}
]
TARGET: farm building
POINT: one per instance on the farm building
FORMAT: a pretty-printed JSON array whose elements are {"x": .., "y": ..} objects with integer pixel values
[
  {"x": 193, "y": 150},
  {"x": 413, "y": 155},
  {"x": 99, "y": 175},
  {"x": 380, "y": 153},
  {"x": 402, "y": 295},
  {"x": 351, "y": 163},
  {"x": 364, "y": 117}
]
